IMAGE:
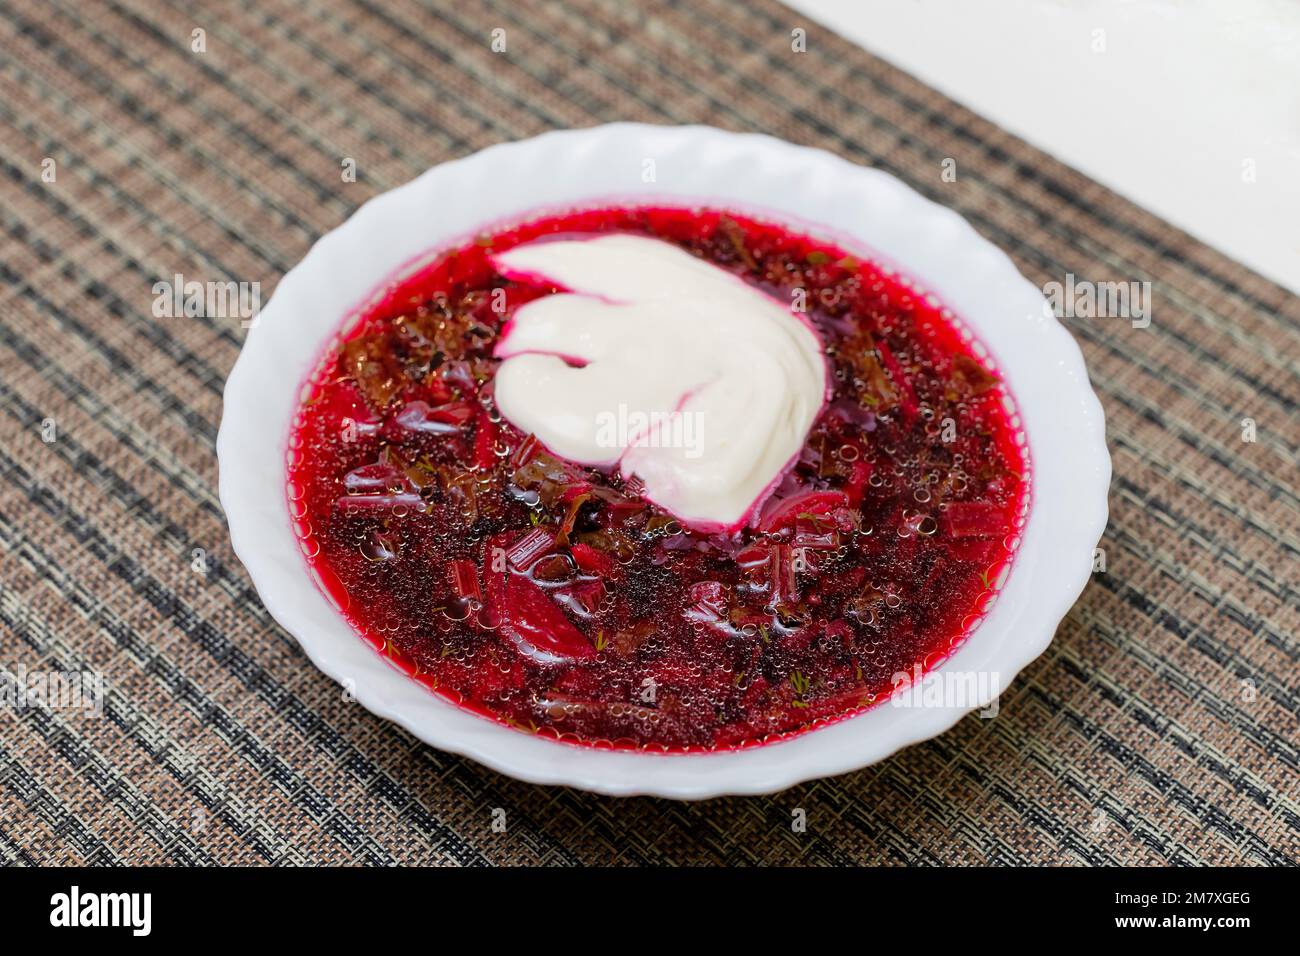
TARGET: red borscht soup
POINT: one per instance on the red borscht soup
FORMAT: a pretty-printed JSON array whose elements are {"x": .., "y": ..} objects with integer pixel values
[{"x": 559, "y": 600}]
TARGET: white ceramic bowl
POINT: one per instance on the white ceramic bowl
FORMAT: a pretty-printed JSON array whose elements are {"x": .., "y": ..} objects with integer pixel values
[{"x": 863, "y": 209}]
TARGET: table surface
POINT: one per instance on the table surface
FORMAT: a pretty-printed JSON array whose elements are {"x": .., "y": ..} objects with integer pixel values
[
  {"x": 1160, "y": 727},
  {"x": 1191, "y": 110}
]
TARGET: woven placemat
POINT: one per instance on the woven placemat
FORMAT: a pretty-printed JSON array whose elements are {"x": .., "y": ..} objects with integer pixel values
[{"x": 1161, "y": 726}]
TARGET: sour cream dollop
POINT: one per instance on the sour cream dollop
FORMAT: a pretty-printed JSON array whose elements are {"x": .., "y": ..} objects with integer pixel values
[{"x": 664, "y": 366}]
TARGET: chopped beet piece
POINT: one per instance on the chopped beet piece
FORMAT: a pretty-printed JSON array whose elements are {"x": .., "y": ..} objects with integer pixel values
[
  {"x": 583, "y": 598},
  {"x": 899, "y": 380},
  {"x": 593, "y": 561},
  {"x": 707, "y": 604},
  {"x": 856, "y": 486},
  {"x": 525, "y": 452},
  {"x": 485, "y": 439},
  {"x": 529, "y": 618},
  {"x": 442, "y": 420},
  {"x": 783, "y": 513},
  {"x": 464, "y": 579},
  {"x": 783, "y": 588},
  {"x": 377, "y": 478},
  {"x": 529, "y": 548}
]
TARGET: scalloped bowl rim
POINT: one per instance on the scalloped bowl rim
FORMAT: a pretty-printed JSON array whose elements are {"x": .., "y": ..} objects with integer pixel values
[{"x": 866, "y": 210}]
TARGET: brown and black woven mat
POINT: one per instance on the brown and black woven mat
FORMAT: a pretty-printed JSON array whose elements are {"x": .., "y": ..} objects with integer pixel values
[{"x": 1161, "y": 726}]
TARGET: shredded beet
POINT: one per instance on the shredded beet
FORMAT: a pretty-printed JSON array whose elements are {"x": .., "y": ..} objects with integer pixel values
[{"x": 557, "y": 599}]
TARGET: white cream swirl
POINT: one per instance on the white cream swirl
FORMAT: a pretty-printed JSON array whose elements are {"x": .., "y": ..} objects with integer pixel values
[{"x": 663, "y": 365}]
